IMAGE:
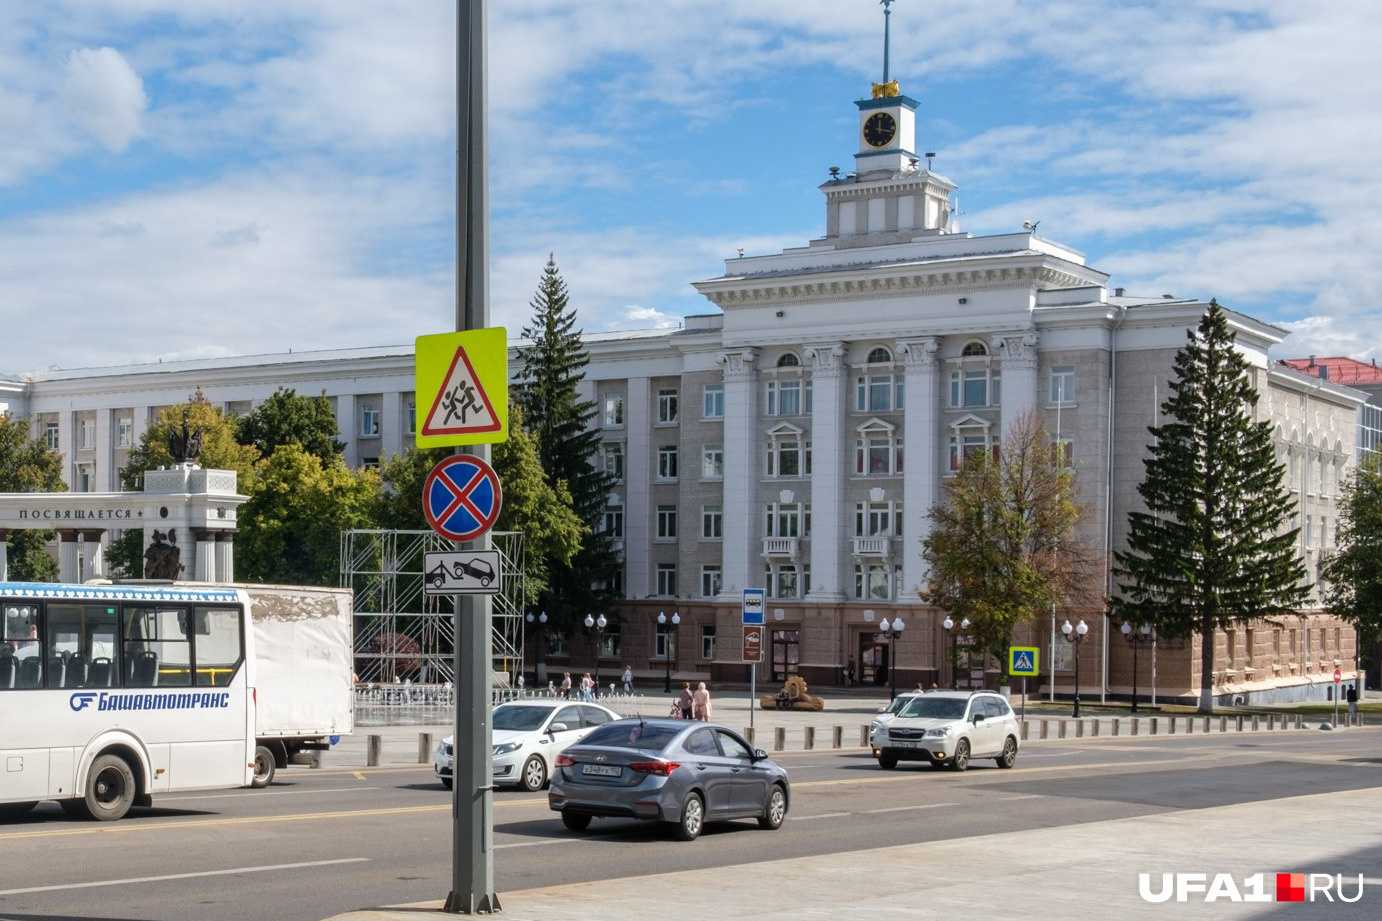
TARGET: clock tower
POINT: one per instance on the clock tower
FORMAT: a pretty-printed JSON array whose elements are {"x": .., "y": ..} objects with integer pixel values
[{"x": 887, "y": 131}]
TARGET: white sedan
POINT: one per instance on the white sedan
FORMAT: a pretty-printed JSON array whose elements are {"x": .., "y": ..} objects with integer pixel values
[{"x": 527, "y": 736}]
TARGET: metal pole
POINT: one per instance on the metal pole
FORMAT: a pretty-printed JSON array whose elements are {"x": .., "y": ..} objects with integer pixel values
[
  {"x": 1075, "y": 644},
  {"x": 1135, "y": 644},
  {"x": 472, "y": 861}
]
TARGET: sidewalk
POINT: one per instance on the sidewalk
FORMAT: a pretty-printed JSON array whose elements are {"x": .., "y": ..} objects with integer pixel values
[{"x": 1055, "y": 873}]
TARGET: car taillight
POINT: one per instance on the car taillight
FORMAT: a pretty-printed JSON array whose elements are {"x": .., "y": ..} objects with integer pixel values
[
  {"x": 563, "y": 761},
  {"x": 660, "y": 768}
]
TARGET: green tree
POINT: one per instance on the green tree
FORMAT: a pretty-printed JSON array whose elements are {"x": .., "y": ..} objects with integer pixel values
[
  {"x": 28, "y": 465},
  {"x": 290, "y": 529},
  {"x": 1214, "y": 547},
  {"x": 1354, "y": 573},
  {"x": 1004, "y": 544},
  {"x": 286, "y": 418},
  {"x": 552, "y": 365}
]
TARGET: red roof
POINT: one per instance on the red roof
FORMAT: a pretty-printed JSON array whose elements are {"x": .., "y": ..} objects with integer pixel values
[{"x": 1346, "y": 371}]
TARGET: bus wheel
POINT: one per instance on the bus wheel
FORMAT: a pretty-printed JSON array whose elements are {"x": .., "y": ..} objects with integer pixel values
[
  {"x": 109, "y": 790},
  {"x": 263, "y": 767}
]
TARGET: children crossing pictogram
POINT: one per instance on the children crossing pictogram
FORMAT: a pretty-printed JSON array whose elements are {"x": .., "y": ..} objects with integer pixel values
[
  {"x": 461, "y": 407},
  {"x": 462, "y": 387}
]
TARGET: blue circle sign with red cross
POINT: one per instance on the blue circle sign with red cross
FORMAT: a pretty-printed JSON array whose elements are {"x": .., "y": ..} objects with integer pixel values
[{"x": 461, "y": 497}]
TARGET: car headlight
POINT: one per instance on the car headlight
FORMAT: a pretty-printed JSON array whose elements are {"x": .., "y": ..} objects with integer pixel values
[
  {"x": 874, "y": 726},
  {"x": 940, "y": 733},
  {"x": 504, "y": 748}
]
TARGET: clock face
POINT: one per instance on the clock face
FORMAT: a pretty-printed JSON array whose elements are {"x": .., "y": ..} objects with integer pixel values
[{"x": 879, "y": 129}]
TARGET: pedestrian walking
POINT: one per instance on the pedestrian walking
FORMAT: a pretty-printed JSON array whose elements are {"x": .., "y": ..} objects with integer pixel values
[
  {"x": 587, "y": 688},
  {"x": 1352, "y": 704},
  {"x": 566, "y": 685},
  {"x": 628, "y": 680},
  {"x": 686, "y": 701},
  {"x": 700, "y": 703}
]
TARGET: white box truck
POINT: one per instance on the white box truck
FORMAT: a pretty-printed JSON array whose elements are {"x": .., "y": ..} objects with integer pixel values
[{"x": 304, "y": 687}]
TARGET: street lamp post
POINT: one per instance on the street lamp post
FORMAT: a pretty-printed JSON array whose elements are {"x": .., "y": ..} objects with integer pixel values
[
  {"x": 667, "y": 651},
  {"x": 1135, "y": 639},
  {"x": 949, "y": 626},
  {"x": 893, "y": 633},
  {"x": 539, "y": 664},
  {"x": 599, "y": 624},
  {"x": 1074, "y": 635}
]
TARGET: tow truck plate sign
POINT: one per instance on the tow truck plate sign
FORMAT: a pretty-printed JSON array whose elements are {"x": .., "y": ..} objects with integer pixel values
[{"x": 462, "y": 572}]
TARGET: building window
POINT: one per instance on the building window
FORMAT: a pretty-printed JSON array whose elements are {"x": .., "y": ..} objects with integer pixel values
[
  {"x": 873, "y": 581},
  {"x": 708, "y": 642},
  {"x": 83, "y": 478},
  {"x": 976, "y": 387},
  {"x": 614, "y": 522},
  {"x": 785, "y": 458},
  {"x": 877, "y": 393},
  {"x": 369, "y": 422},
  {"x": 879, "y": 356},
  {"x": 878, "y": 519},
  {"x": 710, "y": 581},
  {"x": 412, "y": 419},
  {"x": 785, "y": 398},
  {"x": 783, "y": 581},
  {"x": 787, "y": 519},
  {"x": 667, "y": 462},
  {"x": 1064, "y": 450},
  {"x": 124, "y": 432},
  {"x": 50, "y": 435},
  {"x": 614, "y": 410},
  {"x": 614, "y": 461},
  {"x": 877, "y": 451},
  {"x": 712, "y": 462},
  {"x": 666, "y": 522},
  {"x": 1063, "y": 385},
  {"x": 87, "y": 428},
  {"x": 667, "y": 580},
  {"x": 667, "y": 406},
  {"x": 788, "y": 360},
  {"x": 965, "y": 440},
  {"x": 557, "y": 644},
  {"x": 713, "y": 405},
  {"x": 612, "y": 642},
  {"x": 712, "y": 522}
]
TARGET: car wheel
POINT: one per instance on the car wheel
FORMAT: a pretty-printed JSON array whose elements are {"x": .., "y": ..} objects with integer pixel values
[
  {"x": 445, "y": 782},
  {"x": 534, "y": 776},
  {"x": 775, "y": 810},
  {"x": 109, "y": 791},
  {"x": 692, "y": 817},
  {"x": 887, "y": 762},
  {"x": 960, "y": 760},
  {"x": 575, "y": 820},
  {"x": 1009, "y": 756},
  {"x": 263, "y": 768}
]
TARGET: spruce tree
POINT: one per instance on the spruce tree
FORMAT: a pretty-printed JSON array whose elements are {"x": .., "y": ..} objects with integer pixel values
[
  {"x": 1214, "y": 547},
  {"x": 552, "y": 366},
  {"x": 1354, "y": 571}
]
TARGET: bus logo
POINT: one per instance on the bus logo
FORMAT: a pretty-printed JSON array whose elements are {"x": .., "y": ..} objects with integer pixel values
[{"x": 81, "y": 700}]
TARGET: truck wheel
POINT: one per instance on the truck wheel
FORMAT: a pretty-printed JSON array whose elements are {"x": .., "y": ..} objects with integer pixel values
[
  {"x": 263, "y": 767},
  {"x": 109, "y": 791}
]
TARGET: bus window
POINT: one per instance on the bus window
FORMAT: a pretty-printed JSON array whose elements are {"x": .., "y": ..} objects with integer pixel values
[
  {"x": 157, "y": 653},
  {"x": 21, "y": 658},
  {"x": 219, "y": 645},
  {"x": 84, "y": 637}
]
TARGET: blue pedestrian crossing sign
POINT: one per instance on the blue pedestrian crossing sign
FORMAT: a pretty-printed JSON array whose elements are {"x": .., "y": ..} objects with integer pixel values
[{"x": 1022, "y": 660}]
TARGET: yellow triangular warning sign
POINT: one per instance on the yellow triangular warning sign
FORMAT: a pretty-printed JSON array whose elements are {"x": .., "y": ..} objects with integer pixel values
[{"x": 462, "y": 407}]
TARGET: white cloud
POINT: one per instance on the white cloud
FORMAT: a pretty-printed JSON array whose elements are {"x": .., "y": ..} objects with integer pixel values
[{"x": 106, "y": 96}]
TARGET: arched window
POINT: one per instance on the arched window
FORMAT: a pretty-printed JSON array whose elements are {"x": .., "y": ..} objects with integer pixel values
[
  {"x": 974, "y": 349},
  {"x": 880, "y": 356},
  {"x": 788, "y": 360}
]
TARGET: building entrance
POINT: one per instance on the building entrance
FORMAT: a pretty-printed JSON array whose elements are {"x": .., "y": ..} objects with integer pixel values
[{"x": 786, "y": 653}]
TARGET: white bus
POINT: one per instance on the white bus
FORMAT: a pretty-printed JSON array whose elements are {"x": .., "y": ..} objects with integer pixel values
[{"x": 112, "y": 693}]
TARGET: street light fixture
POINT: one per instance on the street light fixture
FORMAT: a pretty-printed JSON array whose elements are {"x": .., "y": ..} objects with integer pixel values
[
  {"x": 671, "y": 637},
  {"x": 1074, "y": 635},
  {"x": 1135, "y": 639},
  {"x": 539, "y": 663},
  {"x": 892, "y": 631},
  {"x": 949, "y": 625},
  {"x": 599, "y": 625}
]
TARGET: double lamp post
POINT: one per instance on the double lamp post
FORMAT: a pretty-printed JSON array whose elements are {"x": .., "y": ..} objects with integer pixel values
[
  {"x": 892, "y": 632},
  {"x": 599, "y": 624},
  {"x": 1074, "y": 635},
  {"x": 671, "y": 635}
]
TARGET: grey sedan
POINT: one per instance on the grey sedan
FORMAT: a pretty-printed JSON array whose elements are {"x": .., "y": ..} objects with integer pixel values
[{"x": 683, "y": 772}]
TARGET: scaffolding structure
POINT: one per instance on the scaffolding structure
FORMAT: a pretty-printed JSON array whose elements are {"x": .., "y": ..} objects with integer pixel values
[{"x": 402, "y": 634}]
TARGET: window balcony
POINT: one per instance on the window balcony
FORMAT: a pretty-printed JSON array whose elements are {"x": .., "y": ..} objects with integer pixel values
[
  {"x": 781, "y": 547},
  {"x": 872, "y": 546}
]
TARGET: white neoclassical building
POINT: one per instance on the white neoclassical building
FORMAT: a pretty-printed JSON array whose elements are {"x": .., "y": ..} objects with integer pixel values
[{"x": 795, "y": 435}]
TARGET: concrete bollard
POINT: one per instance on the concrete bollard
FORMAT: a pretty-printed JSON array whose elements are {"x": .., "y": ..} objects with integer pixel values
[
  {"x": 1116, "y": 723},
  {"x": 1044, "y": 729},
  {"x": 424, "y": 747},
  {"x": 863, "y": 737},
  {"x": 837, "y": 737},
  {"x": 1026, "y": 727},
  {"x": 1060, "y": 730},
  {"x": 1135, "y": 723},
  {"x": 1171, "y": 726},
  {"x": 1223, "y": 724},
  {"x": 810, "y": 737},
  {"x": 1079, "y": 729},
  {"x": 1094, "y": 727},
  {"x": 373, "y": 745},
  {"x": 316, "y": 760},
  {"x": 779, "y": 739},
  {"x": 1271, "y": 721},
  {"x": 1256, "y": 722},
  {"x": 1239, "y": 721},
  {"x": 1153, "y": 727},
  {"x": 748, "y": 734}
]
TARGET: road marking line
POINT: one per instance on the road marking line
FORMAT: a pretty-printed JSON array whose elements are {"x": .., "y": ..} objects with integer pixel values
[
  {"x": 532, "y": 843},
  {"x": 173, "y": 876},
  {"x": 823, "y": 815},
  {"x": 261, "y": 793},
  {"x": 907, "y": 808}
]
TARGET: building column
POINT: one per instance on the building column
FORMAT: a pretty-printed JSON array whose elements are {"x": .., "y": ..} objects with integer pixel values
[
  {"x": 639, "y": 461},
  {"x": 921, "y": 455},
  {"x": 106, "y": 476},
  {"x": 203, "y": 554},
  {"x": 225, "y": 557},
  {"x": 393, "y": 413},
  {"x": 741, "y": 474},
  {"x": 4, "y": 555},
  {"x": 67, "y": 555},
  {"x": 1019, "y": 352},
  {"x": 349, "y": 427},
  {"x": 828, "y": 471},
  {"x": 91, "y": 554}
]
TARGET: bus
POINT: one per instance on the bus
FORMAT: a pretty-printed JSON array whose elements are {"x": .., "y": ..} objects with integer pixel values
[{"x": 111, "y": 693}]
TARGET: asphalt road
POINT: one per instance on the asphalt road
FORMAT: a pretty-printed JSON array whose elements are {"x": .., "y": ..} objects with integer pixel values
[{"x": 322, "y": 842}]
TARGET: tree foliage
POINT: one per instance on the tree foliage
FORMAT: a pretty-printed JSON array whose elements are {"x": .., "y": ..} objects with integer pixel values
[
  {"x": 1354, "y": 572},
  {"x": 551, "y": 368},
  {"x": 28, "y": 465},
  {"x": 286, "y": 418},
  {"x": 290, "y": 529},
  {"x": 1004, "y": 544},
  {"x": 1214, "y": 547},
  {"x": 220, "y": 449}
]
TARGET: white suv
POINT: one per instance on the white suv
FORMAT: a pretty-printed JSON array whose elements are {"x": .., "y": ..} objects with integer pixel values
[{"x": 949, "y": 727}]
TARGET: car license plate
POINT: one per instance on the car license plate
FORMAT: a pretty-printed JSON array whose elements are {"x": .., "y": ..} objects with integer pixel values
[
  {"x": 601, "y": 770},
  {"x": 906, "y": 743}
]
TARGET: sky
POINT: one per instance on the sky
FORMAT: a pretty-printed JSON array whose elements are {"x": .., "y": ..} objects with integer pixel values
[{"x": 184, "y": 179}]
